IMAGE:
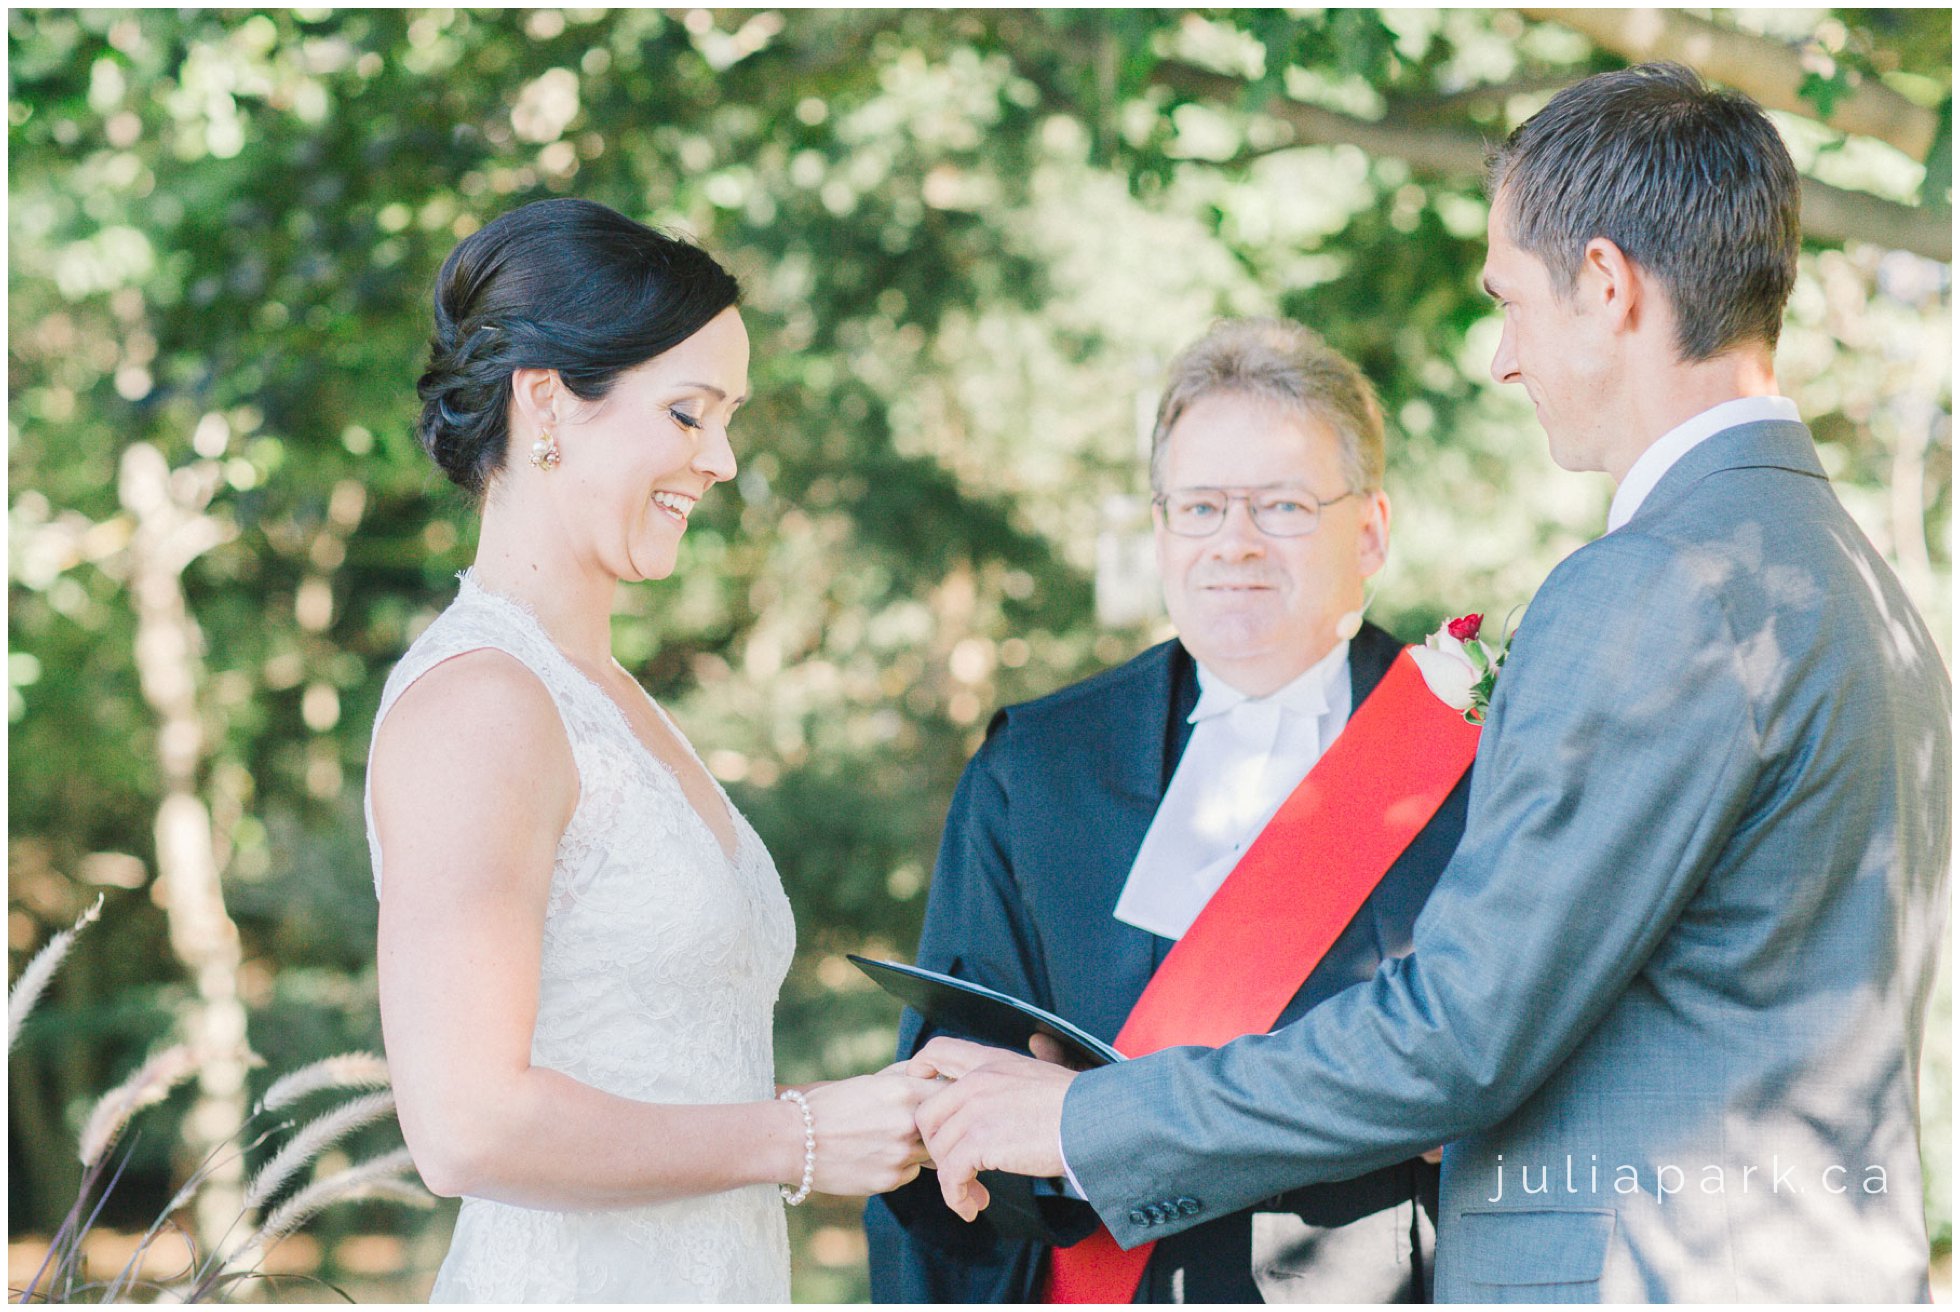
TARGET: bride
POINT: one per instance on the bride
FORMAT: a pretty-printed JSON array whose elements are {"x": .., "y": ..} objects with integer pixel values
[{"x": 581, "y": 939}]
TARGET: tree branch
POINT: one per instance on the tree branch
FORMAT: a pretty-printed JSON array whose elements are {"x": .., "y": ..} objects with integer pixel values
[
  {"x": 1836, "y": 215},
  {"x": 1769, "y": 71},
  {"x": 1490, "y": 96},
  {"x": 1830, "y": 214},
  {"x": 1446, "y": 150}
]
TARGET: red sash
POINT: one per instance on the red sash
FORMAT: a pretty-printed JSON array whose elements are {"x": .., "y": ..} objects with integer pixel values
[{"x": 1290, "y": 896}]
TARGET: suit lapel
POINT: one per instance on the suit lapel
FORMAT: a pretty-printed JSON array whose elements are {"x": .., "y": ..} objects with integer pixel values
[
  {"x": 1180, "y": 698},
  {"x": 1370, "y": 654},
  {"x": 1182, "y": 680},
  {"x": 1132, "y": 766},
  {"x": 1140, "y": 751}
]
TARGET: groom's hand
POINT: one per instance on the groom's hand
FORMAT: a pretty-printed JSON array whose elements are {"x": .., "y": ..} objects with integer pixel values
[{"x": 1000, "y": 1112}]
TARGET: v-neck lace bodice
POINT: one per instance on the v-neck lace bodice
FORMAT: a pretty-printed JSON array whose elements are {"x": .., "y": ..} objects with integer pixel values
[
  {"x": 660, "y": 768},
  {"x": 661, "y": 965}
]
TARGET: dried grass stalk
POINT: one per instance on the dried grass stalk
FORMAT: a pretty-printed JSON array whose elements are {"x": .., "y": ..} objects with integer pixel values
[
  {"x": 356, "y": 1181},
  {"x": 318, "y": 1134},
  {"x": 150, "y": 1085},
  {"x": 349, "y": 1070},
  {"x": 34, "y": 979}
]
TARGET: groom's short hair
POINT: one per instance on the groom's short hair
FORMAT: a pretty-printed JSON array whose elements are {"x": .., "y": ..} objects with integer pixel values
[
  {"x": 1280, "y": 361},
  {"x": 1692, "y": 184}
]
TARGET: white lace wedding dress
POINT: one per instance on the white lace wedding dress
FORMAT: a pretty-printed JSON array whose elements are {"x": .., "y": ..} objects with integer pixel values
[{"x": 662, "y": 961}]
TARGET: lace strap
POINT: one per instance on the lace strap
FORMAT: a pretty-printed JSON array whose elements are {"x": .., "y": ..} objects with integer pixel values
[{"x": 473, "y": 622}]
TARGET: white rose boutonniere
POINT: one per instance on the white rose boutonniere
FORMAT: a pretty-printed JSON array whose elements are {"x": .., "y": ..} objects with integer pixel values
[{"x": 1461, "y": 668}]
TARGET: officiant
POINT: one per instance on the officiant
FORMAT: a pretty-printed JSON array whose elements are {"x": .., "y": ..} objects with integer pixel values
[{"x": 1096, "y": 826}]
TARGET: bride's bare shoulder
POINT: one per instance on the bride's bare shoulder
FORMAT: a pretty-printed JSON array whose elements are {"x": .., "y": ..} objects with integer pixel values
[{"x": 479, "y": 724}]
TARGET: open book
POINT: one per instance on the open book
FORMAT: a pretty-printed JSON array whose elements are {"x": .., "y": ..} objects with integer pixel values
[{"x": 973, "y": 1011}]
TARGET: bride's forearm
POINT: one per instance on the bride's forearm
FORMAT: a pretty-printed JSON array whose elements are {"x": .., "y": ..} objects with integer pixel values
[{"x": 539, "y": 1138}]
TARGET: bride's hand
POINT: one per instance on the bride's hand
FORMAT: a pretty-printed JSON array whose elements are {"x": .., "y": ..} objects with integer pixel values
[{"x": 867, "y": 1139}]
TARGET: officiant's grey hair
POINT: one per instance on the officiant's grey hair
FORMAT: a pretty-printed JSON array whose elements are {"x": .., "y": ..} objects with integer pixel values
[
  {"x": 1692, "y": 184},
  {"x": 1278, "y": 360}
]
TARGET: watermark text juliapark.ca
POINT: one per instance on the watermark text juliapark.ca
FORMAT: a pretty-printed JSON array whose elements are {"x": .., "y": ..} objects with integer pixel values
[{"x": 1662, "y": 1180}]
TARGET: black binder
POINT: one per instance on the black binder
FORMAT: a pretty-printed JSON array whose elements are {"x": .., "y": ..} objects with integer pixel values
[{"x": 974, "y": 1011}]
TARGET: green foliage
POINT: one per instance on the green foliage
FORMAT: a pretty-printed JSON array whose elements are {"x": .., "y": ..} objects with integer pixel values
[
  {"x": 969, "y": 240},
  {"x": 1937, "y": 189},
  {"x": 1825, "y": 90}
]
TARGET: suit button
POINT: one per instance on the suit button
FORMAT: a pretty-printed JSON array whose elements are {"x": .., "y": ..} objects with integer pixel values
[
  {"x": 1137, "y": 1217},
  {"x": 1190, "y": 1206},
  {"x": 1155, "y": 1213}
]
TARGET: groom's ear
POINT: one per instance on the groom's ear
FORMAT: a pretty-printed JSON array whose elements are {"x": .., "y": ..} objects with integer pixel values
[{"x": 1612, "y": 284}]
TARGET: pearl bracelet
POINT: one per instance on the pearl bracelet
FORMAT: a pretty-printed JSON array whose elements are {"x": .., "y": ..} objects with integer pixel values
[{"x": 802, "y": 1191}]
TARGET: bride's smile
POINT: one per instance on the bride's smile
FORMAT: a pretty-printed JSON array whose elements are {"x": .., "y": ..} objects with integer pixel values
[{"x": 634, "y": 464}]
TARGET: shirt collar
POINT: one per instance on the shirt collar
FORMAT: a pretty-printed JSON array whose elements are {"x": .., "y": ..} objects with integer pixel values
[
  {"x": 1306, "y": 695},
  {"x": 1684, "y": 437}
]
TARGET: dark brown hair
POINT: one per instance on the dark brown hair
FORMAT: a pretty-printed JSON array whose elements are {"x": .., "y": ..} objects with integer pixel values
[{"x": 557, "y": 284}]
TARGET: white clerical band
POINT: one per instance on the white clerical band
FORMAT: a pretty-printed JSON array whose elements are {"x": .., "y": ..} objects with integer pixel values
[
  {"x": 802, "y": 1191},
  {"x": 1246, "y": 756}
]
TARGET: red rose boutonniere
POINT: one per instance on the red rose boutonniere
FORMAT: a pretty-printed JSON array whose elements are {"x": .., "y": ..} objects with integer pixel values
[{"x": 1461, "y": 667}]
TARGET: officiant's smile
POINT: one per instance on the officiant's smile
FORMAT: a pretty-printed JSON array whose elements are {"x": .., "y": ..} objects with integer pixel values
[{"x": 1263, "y": 538}]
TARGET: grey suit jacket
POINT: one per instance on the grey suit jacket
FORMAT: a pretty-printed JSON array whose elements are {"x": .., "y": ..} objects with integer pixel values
[{"x": 1665, "y": 1004}]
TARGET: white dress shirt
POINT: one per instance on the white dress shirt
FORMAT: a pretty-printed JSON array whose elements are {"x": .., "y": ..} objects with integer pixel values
[
  {"x": 1684, "y": 437},
  {"x": 1245, "y": 757}
]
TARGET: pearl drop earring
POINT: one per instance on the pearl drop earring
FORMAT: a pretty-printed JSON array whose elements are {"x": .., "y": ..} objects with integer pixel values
[{"x": 544, "y": 451}]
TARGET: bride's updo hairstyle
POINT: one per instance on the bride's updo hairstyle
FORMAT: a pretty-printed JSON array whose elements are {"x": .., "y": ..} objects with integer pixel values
[{"x": 557, "y": 284}]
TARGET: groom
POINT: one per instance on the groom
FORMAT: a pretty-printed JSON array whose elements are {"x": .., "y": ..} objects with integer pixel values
[{"x": 1666, "y": 1003}]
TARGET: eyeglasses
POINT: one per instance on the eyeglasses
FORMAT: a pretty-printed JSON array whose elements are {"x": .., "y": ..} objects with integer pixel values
[{"x": 1200, "y": 512}]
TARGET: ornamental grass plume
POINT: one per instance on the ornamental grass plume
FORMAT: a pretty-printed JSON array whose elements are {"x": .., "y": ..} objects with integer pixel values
[
  {"x": 348, "y": 1070},
  {"x": 34, "y": 979},
  {"x": 378, "y": 1177},
  {"x": 353, "y": 1182},
  {"x": 151, "y": 1084},
  {"x": 316, "y": 1137},
  {"x": 385, "y": 1177}
]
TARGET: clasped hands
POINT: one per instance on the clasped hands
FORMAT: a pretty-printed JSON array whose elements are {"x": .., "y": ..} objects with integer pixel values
[
  {"x": 995, "y": 1111},
  {"x": 963, "y": 1106}
]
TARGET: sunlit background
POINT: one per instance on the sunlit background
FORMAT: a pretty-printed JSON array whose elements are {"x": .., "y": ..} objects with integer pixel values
[{"x": 970, "y": 242}]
